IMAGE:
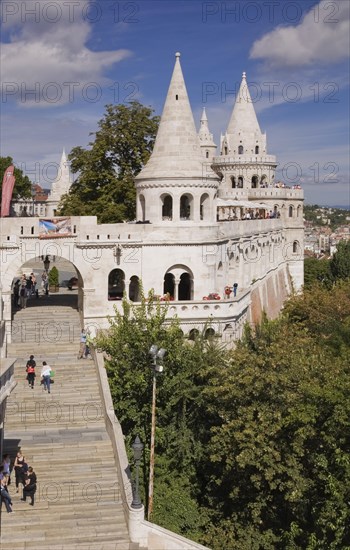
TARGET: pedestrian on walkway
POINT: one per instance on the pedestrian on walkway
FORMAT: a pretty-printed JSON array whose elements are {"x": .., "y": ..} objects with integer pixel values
[
  {"x": 19, "y": 469},
  {"x": 30, "y": 369},
  {"x": 82, "y": 347},
  {"x": 4, "y": 495},
  {"x": 45, "y": 376},
  {"x": 30, "y": 486}
]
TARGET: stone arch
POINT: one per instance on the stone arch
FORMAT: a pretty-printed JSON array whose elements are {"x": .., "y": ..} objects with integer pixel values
[
  {"x": 290, "y": 211},
  {"x": 296, "y": 247},
  {"x": 186, "y": 206},
  {"x": 256, "y": 149},
  {"x": 263, "y": 180},
  {"x": 134, "y": 289},
  {"x": 178, "y": 281},
  {"x": 167, "y": 207},
  {"x": 204, "y": 207},
  {"x": 240, "y": 149},
  {"x": 240, "y": 181},
  {"x": 298, "y": 211},
  {"x": 233, "y": 182},
  {"x": 116, "y": 284}
]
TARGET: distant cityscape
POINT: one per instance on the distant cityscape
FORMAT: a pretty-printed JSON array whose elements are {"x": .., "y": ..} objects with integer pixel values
[{"x": 325, "y": 227}]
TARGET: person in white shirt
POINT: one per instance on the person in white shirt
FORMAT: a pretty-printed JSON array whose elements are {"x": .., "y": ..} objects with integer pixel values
[{"x": 45, "y": 375}]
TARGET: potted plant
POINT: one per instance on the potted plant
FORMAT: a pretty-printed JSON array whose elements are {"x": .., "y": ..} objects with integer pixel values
[{"x": 53, "y": 280}]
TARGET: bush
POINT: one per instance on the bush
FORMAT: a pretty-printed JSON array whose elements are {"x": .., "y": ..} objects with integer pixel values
[{"x": 53, "y": 277}]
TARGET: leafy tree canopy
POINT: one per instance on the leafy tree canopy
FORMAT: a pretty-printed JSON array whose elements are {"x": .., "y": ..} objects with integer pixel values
[
  {"x": 106, "y": 171},
  {"x": 340, "y": 263},
  {"x": 23, "y": 185}
]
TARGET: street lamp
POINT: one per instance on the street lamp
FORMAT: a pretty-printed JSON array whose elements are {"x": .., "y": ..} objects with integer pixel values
[
  {"x": 137, "y": 447},
  {"x": 157, "y": 358},
  {"x": 47, "y": 264}
]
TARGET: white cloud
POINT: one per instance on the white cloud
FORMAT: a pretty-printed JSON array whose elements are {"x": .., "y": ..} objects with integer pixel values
[
  {"x": 52, "y": 59},
  {"x": 322, "y": 37}
]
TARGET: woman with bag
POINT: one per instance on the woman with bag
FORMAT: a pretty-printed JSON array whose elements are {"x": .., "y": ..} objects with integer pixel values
[{"x": 46, "y": 376}]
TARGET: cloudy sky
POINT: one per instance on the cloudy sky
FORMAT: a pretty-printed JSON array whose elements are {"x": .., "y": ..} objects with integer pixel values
[{"x": 63, "y": 61}]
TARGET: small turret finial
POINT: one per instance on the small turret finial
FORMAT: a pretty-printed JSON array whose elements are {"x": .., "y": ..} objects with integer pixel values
[
  {"x": 244, "y": 74},
  {"x": 178, "y": 54}
]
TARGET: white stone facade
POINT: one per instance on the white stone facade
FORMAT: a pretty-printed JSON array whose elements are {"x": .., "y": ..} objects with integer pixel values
[{"x": 178, "y": 247}]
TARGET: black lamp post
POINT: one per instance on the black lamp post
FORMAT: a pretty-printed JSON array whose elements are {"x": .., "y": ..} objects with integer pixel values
[
  {"x": 137, "y": 447},
  {"x": 157, "y": 359}
]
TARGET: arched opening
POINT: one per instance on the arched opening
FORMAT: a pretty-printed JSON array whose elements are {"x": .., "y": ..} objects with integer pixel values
[
  {"x": 142, "y": 207},
  {"x": 225, "y": 150},
  {"x": 209, "y": 333},
  {"x": 233, "y": 182},
  {"x": 295, "y": 247},
  {"x": 134, "y": 289},
  {"x": 169, "y": 285},
  {"x": 204, "y": 207},
  {"x": 185, "y": 287},
  {"x": 290, "y": 211},
  {"x": 186, "y": 207},
  {"x": 167, "y": 207},
  {"x": 255, "y": 180},
  {"x": 207, "y": 154},
  {"x": 263, "y": 181},
  {"x": 116, "y": 284},
  {"x": 193, "y": 334},
  {"x": 256, "y": 149},
  {"x": 298, "y": 211},
  {"x": 240, "y": 149},
  {"x": 240, "y": 181}
]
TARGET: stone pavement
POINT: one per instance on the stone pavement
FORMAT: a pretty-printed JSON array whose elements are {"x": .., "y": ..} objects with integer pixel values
[{"x": 63, "y": 436}]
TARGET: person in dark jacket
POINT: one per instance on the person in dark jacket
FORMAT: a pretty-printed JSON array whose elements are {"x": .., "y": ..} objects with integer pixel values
[
  {"x": 30, "y": 370},
  {"x": 30, "y": 486}
]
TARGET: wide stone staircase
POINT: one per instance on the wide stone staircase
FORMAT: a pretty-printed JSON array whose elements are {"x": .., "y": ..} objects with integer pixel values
[{"x": 63, "y": 436}]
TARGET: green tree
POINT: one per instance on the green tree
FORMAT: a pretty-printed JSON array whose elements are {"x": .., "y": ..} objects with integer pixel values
[
  {"x": 121, "y": 147},
  {"x": 317, "y": 271},
  {"x": 340, "y": 263},
  {"x": 23, "y": 185}
]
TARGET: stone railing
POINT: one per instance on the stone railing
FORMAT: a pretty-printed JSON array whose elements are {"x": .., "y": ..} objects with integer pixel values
[
  {"x": 7, "y": 378},
  {"x": 261, "y": 193},
  {"x": 147, "y": 535},
  {"x": 245, "y": 159}
]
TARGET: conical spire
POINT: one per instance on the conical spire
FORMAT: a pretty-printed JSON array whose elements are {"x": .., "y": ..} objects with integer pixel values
[
  {"x": 205, "y": 137},
  {"x": 62, "y": 183},
  {"x": 176, "y": 152},
  {"x": 243, "y": 118}
]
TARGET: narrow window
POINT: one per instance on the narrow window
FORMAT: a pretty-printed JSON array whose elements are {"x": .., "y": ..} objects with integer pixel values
[{"x": 257, "y": 149}]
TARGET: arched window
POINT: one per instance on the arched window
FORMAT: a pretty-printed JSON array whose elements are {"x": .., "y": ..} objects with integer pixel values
[
  {"x": 298, "y": 211},
  {"x": 233, "y": 182},
  {"x": 225, "y": 150},
  {"x": 186, "y": 207},
  {"x": 240, "y": 149},
  {"x": 207, "y": 154},
  {"x": 193, "y": 334},
  {"x": 134, "y": 289},
  {"x": 209, "y": 333},
  {"x": 290, "y": 211},
  {"x": 295, "y": 247},
  {"x": 143, "y": 207},
  {"x": 255, "y": 180},
  {"x": 116, "y": 284},
  {"x": 256, "y": 149},
  {"x": 185, "y": 287},
  {"x": 169, "y": 284},
  {"x": 240, "y": 181},
  {"x": 167, "y": 207},
  {"x": 204, "y": 207}
]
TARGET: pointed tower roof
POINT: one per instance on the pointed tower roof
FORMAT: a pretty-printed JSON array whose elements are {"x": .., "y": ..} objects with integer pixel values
[
  {"x": 243, "y": 118},
  {"x": 176, "y": 152},
  {"x": 205, "y": 137},
  {"x": 62, "y": 183}
]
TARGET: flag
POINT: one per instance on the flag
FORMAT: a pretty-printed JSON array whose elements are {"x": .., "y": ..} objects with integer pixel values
[{"x": 8, "y": 184}]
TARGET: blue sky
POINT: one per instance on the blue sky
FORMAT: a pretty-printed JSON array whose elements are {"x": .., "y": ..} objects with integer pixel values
[{"x": 63, "y": 61}]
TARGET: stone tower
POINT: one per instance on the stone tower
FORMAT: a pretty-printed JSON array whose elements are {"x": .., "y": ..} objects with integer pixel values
[
  {"x": 244, "y": 162},
  {"x": 206, "y": 141},
  {"x": 176, "y": 185},
  {"x": 60, "y": 186}
]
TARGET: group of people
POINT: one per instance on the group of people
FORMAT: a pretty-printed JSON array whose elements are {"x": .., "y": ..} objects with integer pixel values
[
  {"x": 46, "y": 374},
  {"x": 26, "y": 287},
  {"x": 229, "y": 289},
  {"x": 24, "y": 476}
]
